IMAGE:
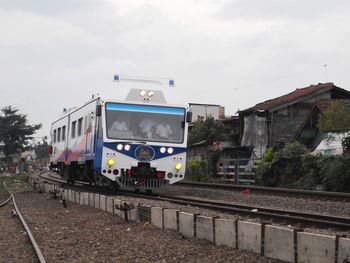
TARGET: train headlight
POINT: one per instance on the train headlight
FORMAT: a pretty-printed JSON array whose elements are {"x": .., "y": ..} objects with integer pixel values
[
  {"x": 127, "y": 147},
  {"x": 170, "y": 150},
  {"x": 143, "y": 93},
  {"x": 120, "y": 147},
  {"x": 178, "y": 166},
  {"x": 162, "y": 149},
  {"x": 110, "y": 162},
  {"x": 150, "y": 93}
]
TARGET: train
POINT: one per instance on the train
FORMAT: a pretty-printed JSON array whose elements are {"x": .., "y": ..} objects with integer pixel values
[{"x": 136, "y": 143}]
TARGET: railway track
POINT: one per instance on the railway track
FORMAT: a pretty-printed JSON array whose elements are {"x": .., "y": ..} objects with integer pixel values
[
  {"x": 36, "y": 247},
  {"x": 265, "y": 213},
  {"x": 276, "y": 190}
]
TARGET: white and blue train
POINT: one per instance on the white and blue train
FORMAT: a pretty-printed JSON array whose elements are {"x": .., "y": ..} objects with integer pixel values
[{"x": 138, "y": 143}]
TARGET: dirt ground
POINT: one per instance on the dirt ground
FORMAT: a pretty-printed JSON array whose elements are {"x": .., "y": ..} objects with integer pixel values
[{"x": 84, "y": 234}]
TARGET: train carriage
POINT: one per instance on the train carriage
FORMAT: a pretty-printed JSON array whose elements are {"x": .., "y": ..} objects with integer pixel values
[{"x": 138, "y": 143}]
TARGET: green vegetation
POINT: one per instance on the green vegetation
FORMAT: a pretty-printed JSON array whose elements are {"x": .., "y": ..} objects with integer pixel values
[
  {"x": 14, "y": 131},
  {"x": 12, "y": 182},
  {"x": 336, "y": 118},
  {"x": 293, "y": 166},
  {"x": 207, "y": 130},
  {"x": 197, "y": 171}
]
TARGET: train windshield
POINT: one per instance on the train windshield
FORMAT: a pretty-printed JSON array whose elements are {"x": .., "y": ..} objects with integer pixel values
[{"x": 145, "y": 122}]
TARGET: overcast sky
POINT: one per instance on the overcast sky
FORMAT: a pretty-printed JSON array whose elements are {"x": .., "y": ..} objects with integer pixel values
[{"x": 56, "y": 54}]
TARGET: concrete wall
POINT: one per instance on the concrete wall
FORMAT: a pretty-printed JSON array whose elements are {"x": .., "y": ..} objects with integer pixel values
[
  {"x": 110, "y": 205},
  {"x": 171, "y": 219},
  {"x": 103, "y": 202},
  {"x": 344, "y": 250},
  {"x": 225, "y": 232},
  {"x": 92, "y": 199},
  {"x": 249, "y": 236},
  {"x": 205, "y": 228},
  {"x": 157, "y": 216},
  {"x": 186, "y": 224},
  {"x": 314, "y": 248},
  {"x": 77, "y": 197},
  {"x": 97, "y": 200},
  {"x": 279, "y": 243},
  {"x": 86, "y": 198}
]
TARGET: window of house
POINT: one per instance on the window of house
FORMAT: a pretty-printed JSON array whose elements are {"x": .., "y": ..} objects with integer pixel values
[
  {"x": 74, "y": 124},
  {"x": 59, "y": 134},
  {"x": 54, "y": 136},
  {"x": 63, "y": 133},
  {"x": 80, "y": 126}
]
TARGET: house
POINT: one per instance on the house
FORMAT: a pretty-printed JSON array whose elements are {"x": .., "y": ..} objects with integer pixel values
[
  {"x": 206, "y": 110},
  {"x": 287, "y": 118}
]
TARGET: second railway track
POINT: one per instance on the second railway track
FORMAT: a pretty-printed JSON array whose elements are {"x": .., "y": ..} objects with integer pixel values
[{"x": 265, "y": 213}]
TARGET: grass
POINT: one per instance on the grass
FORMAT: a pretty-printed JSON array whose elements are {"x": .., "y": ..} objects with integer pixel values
[{"x": 13, "y": 182}]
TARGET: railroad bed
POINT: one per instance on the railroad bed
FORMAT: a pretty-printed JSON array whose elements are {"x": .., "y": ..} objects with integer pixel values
[
  {"x": 14, "y": 242},
  {"x": 84, "y": 234},
  {"x": 290, "y": 201},
  {"x": 243, "y": 210},
  {"x": 286, "y": 242}
]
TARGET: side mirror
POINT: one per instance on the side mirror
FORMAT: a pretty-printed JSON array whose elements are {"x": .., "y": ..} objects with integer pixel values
[
  {"x": 98, "y": 110},
  {"x": 189, "y": 117}
]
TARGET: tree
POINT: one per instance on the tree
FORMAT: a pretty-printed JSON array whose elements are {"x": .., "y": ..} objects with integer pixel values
[
  {"x": 207, "y": 130},
  {"x": 336, "y": 118},
  {"x": 41, "y": 150},
  {"x": 15, "y": 133}
]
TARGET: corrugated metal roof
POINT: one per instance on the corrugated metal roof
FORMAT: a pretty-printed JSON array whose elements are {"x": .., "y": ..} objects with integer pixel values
[{"x": 290, "y": 97}]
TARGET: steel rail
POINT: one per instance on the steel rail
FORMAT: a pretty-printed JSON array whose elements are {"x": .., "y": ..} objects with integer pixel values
[
  {"x": 26, "y": 227},
  {"x": 255, "y": 211},
  {"x": 5, "y": 202},
  {"x": 318, "y": 219},
  {"x": 265, "y": 189}
]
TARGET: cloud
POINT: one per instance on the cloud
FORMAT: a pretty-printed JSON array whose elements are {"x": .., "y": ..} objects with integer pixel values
[{"x": 280, "y": 10}]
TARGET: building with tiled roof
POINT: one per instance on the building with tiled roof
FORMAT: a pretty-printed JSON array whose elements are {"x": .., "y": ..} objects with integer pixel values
[{"x": 293, "y": 116}]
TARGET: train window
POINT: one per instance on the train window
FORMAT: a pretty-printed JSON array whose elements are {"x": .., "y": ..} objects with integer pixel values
[
  {"x": 59, "y": 134},
  {"x": 63, "y": 133},
  {"x": 54, "y": 136},
  {"x": 74, "y": 124},
  {"x": 80, "y": 126},
  {"x": 85, "y": 124}
]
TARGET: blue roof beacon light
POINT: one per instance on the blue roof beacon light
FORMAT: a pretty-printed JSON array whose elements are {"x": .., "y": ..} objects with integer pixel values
[
  {"x": 171, "y": 83},
  {"x": 116, "y": 78}
]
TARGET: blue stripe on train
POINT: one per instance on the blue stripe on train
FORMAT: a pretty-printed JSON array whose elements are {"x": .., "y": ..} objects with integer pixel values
[{"x": 145, "y": 108}]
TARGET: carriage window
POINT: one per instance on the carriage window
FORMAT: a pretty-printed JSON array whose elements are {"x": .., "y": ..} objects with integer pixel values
[
  {"x": 74, "y": 124},
  {"x": 54, "y": 136},
  {"x": 80, "y": 126},
  {"x": 58, "y": 134},
  {"x": 63, "y": 133}
]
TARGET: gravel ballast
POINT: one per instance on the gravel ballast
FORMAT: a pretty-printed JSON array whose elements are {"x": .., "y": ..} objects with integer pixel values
[
  {"x": 14, "y": 242},
  {"x": 84, "y": 234}
]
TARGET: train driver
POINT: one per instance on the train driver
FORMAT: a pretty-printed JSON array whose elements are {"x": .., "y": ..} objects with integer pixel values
[{"x": 147, "y": 126}]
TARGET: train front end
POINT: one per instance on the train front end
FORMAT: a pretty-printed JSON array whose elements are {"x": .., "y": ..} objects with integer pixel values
[{"x": 143, "y": 143}]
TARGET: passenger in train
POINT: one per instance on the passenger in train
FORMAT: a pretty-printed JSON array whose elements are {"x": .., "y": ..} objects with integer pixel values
[
  {"x": 147, "y": 126},
  {"x": 119, "y": 125},
  {"x": 164, "y": 131}
]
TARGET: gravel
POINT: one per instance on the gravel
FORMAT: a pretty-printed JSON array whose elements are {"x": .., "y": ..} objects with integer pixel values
[
  {"x": 84, "y": 234},
  {"x": 272, "y": 200},
  {"x": 296, "y": 203},
  {"x": 14, "y": 242}
]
